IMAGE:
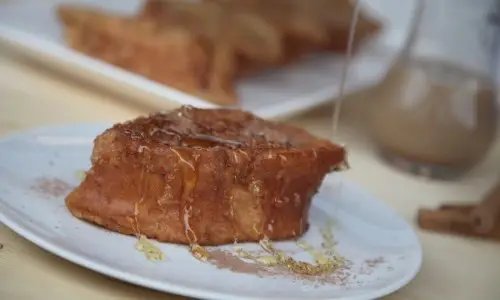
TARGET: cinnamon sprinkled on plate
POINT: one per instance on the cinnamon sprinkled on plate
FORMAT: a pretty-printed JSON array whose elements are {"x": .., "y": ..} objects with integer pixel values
[{"x": 52, "y": 187}]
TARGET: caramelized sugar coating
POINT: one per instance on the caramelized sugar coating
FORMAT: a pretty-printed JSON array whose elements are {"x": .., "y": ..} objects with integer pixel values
[{"x": 209, "y": 177}]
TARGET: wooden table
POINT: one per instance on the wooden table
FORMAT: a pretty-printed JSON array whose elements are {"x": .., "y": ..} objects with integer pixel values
[{"x": 453, "y": 268}]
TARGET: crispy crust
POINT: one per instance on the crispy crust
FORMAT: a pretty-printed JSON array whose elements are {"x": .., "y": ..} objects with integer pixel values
[{"x": 204, "y": 176}]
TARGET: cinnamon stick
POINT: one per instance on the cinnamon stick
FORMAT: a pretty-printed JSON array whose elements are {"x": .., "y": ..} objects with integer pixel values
[
  {"x": 454, "y": 220},
  {"x": 486, "y": 214},
  {"x": 464, "y": 208},
  {"x": 447, "y": 220}
]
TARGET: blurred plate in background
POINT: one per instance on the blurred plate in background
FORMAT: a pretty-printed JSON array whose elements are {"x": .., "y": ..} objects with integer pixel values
[{"x": 31, "y": 27}]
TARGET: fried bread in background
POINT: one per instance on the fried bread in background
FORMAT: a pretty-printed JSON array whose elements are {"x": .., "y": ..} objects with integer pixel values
[
  {"x": 305, "y": 26},
  {"x": 238, "y": 37},
  {"x": 205, "y": 47},
  {"x": 309, "y": 26},
  {"x": 172, "y": 55}
]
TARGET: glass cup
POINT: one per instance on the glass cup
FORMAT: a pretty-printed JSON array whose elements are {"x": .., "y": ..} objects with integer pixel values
[{"x": 435, "y": 112}]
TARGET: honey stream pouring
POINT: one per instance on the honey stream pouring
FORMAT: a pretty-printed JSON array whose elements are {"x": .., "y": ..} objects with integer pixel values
[
  {"x": 337, "y": 107},
  {"x": 345, "y": 70}
]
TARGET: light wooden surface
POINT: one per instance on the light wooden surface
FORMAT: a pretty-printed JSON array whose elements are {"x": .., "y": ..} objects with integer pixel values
[{"x": 454, "y": 268}]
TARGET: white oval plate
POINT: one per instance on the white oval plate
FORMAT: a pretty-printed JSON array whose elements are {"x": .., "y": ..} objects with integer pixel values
[{"x": 39, "y": 168}]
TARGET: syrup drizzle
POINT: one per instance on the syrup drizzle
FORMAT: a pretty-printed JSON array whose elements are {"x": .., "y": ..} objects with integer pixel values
[
  {"x": 325, "y": 261},
  {"x": 142, "y": 191},
  {"x": 213, "y": 140},
  {"x": 190, "y": 177},
  {"x": 345, "y": 70},
  {"x": 152, "y": 252}
]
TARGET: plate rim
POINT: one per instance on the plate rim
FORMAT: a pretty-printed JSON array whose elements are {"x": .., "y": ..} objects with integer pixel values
[{"x": 177, "y": 289}]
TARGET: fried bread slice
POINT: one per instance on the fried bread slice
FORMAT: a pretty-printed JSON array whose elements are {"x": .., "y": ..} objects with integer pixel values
[{"x": 207, "y": 177}]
